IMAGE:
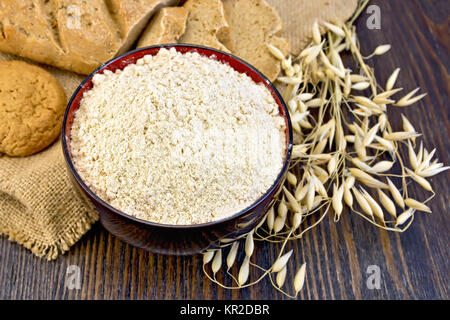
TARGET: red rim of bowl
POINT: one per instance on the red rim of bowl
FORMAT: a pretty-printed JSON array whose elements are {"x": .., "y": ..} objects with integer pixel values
[{"x": 189, "y": 48}]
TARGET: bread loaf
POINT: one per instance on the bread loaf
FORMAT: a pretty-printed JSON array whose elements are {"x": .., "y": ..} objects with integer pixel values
[
  {"x": 167, "y": 26},
  {"x": 254, "y": 23},
  {"x": 75, "y": 35},
  {"x": 207, "y": 25}
]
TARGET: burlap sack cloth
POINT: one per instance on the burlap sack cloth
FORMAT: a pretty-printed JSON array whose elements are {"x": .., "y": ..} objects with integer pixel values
[
  {"x": 298, "y": 17},
  {"x": 40, "y": 208}
]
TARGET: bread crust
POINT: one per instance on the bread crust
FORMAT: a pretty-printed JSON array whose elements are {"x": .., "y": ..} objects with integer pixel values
[
  {"x": 207, "y": 25},
  {"x": 75, "y": 35},
  {"x": 167, "y": 26}
]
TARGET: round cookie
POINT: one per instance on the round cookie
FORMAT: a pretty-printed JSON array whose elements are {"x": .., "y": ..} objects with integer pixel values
[{"x": 32, "y": 104}]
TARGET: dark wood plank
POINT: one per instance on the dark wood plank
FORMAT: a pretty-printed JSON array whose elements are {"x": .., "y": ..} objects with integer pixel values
[{"x": 413, "y": 264}]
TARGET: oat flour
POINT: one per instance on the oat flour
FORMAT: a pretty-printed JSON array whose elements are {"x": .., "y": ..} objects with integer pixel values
[{"x": 178, "y": 139}]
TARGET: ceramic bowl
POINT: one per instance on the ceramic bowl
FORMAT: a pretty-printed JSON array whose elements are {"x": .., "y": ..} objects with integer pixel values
[{"x": 176, "y": 239}]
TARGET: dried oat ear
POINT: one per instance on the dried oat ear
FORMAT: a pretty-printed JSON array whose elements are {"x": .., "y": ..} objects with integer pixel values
[{"x": 346, "y": 155}]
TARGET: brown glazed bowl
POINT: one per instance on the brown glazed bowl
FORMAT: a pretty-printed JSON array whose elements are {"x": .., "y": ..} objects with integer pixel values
[{"x": 176, "y": 239}]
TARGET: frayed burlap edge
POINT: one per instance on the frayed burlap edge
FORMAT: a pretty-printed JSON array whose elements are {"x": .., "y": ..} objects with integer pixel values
[{"x": 60, "y": 246}]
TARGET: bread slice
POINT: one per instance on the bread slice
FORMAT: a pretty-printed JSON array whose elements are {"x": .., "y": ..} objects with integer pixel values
[
  {"x": 75, "y": 35},
  {"x": 167, "y": 26},
  {"x": 132, "y": 16},
  {"x": 207, "y": 25},
  {"x": 254, "y": 23}
]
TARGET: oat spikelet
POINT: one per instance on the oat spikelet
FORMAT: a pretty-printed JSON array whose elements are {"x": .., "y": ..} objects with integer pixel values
[
  {"x": 305, "y": 96},
  {"x": 382, "y": 166},
  {"x": 282, "y": 208},
  {"x": 231, "y": 257},
  {"x": 432, "y": 170},
  {"x": 332, "y": 164},
  {"x": 319, "y": 187},
  {"x": 325, "y": 129},
  {"x": 366, "y": 102},
  {"x": 331, "y": 67},
  {"x": 426, "y": 160},
  {"x": 389, "y": 145},
  {"x": 358, "y": 78},
  {"x": 278, "y": 224},
  {"x": 320, "y": 147},
  {"x": 281, "y": 262},
  {"x": 296, "y": 220},
  {"x": 361, "y": 85},
  {"x": 207, "y": 256},
  {"x": 310, "y": 195},
  {"x": 367, "y": 179},
  {"x": 350, "y": 181},
  {"x": 313, "y": 103},
  {"x": 275, "y": 52},
  {"x": 412, "y": 156},
  {"x": 299, "y": 279},
  {"x": 335, "y": 29},
  {"x": 321, "y": 157},
  {"x": 386, "y": 94},
  {"x": 320, "y": 173},
  {"x": 408, "y": 99},
  {"x": 382, "y": 121},
  {"x": 217, "y": 261},
  {"x": 407, "y": 126},
  {"x": 380, "y": 50},
  {"x": 291, "y": 178},
  {"x": 404, "y": 216},
  {"x": 270, "y": 218},
  {"x": 362, "y": 165},
  {"x": 249, "y": 244},
  {"x": 422, "y": 181},
  {"x": 301, "y": 192},
  {"x": 244, "y": 271},
  {"x": 395, "y": 193},
  {"x": 362, "y": 202},
  {"x": 401, "y": 135},
  {"x": 392, "y": 79},
  {"x": 348, "y": 198},
  {"x": 412, "y": 203},
  {"x": 295, "y": 206},
  {"x": 336, "y": 200},
  {"x": 311, "y": 53},
  {"x": 376, "y": 209},
  {"x": 387, "y": 203},
  {"x": 371, "y": 135},
  {"x": 281, "y": 276},
  {"x": 299, "y": 151},
  {"x": 316, "y": 33}
]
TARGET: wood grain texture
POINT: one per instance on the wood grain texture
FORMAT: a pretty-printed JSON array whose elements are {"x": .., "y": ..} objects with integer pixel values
[{"x": 413, "y": 264}]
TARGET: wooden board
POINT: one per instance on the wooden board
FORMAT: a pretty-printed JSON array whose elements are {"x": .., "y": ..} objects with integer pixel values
[{"x": 413, "y": 264}]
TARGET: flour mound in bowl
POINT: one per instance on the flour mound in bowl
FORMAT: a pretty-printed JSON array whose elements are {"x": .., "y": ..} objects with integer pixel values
[{"x": 178, "y": 139}]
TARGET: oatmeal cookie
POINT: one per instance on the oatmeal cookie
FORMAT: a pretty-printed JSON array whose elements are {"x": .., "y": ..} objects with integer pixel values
[{"x": 32, "y": 104}]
